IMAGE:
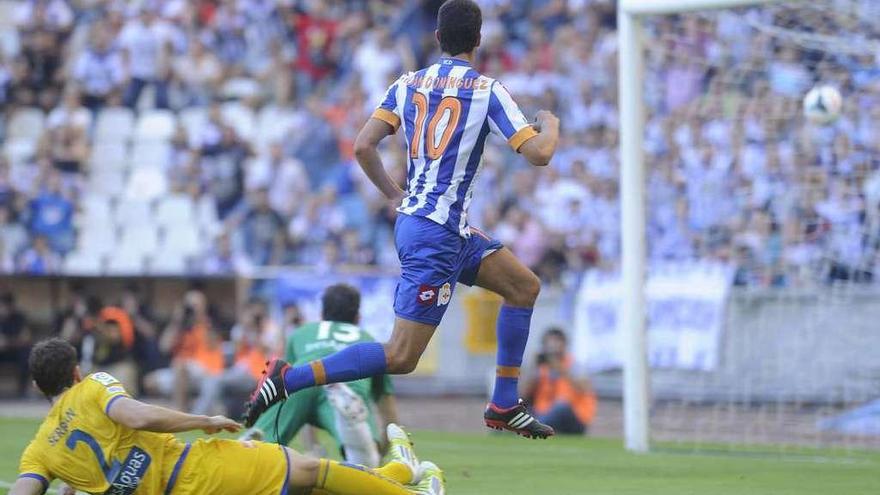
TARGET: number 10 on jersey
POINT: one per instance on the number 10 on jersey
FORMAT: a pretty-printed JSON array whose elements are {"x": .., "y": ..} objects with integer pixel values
[{"x": 448, "y": 111}]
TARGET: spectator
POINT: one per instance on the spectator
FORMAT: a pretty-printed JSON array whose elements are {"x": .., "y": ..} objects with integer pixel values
[
  {"x": 110, "y": 347},
  {"x": 51, "y": 216},
  {"x": 223, "y": 260},
  {"x": 66, "y": 141},
  {"x": 146, "y": 46},
  {"x": 39, "y": 259},
  {"x": 559, "y": 392},
  {"x": 38, "y": 69},
  {"x": 15, "y": 341},
  {"x": 283, "y": 176},
  {"x": 255, "y": 339},
  {"x": 222, "y": 164},
  {"x": 199, "y": 73},
  {"x": 195, "y": 348},
  {"x": 146, "y": 335},
  {"x": 13, "y": 239},
  {"x": 70, "y": 113},
  {"x": 262, "y": 230},
  {"x": 99, "y": 71}
]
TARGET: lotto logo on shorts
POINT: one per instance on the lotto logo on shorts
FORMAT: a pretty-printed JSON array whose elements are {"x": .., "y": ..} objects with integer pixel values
[{"x": 427, "y": 295}]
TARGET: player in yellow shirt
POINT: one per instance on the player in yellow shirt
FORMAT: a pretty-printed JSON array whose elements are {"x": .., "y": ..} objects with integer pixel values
[{"x": 99, "y": 440}]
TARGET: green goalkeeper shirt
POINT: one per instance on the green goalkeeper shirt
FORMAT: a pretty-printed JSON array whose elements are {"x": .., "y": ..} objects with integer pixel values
[{"x": 318, "y": 340}]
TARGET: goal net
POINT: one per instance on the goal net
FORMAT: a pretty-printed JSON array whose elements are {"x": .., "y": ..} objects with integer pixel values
[{"x": 736, "y": 174}]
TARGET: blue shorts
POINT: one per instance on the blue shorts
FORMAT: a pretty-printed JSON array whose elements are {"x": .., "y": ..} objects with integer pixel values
[{"x": 432, "y": 260}]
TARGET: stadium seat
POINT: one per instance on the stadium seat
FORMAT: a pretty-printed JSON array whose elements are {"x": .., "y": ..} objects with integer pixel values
[
  {"x": 241, "y": 118},
  {"x": 106, "y": 155},
  {"x": 182, "y": 239},
  {"x": 146, "y": 184},
  {"x": 166, "y": 263},
  {"x": 154, "y": 154},
  {"x": 114, "y": 125},
  {"x": 125, "y": 263},
  {"x": 26, "y": 124},
  {"x": 19, "y": 150},
  {"x": 7, "y": 14},
  {"x": 208, "y": 219},
  {"x": 139, "y": 238},
  {"x": 273, "y": 123},
  {"x": 96, "y": 238},
  {"x": 155, "y": 125},
  {"x": 84, "y": 262},
  {"x": 96, "y": 208},
  {"x": 10, "y": 41},
  {"x": 193, "y": 120},
  {"x": 175, "y": 209},
  {"x": 133, "y": 212},
  {"x": 108, "y": 181}
]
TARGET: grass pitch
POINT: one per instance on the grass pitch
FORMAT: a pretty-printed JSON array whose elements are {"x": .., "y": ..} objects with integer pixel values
[{"x": 477, "y": 464}]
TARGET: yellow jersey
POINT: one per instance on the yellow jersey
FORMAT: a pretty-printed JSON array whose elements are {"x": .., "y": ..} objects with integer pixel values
[{"x": 80, "y": 444}]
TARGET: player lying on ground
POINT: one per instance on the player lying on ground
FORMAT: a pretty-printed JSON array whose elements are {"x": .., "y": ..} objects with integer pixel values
[
  {"x": 346, "y": 411},
  {"x": 97, "y": 439},
  {"x": 446, "y": 112}
]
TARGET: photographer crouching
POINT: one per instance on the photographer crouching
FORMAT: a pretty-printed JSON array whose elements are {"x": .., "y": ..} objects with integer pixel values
[{"x": 560, "y": 392}]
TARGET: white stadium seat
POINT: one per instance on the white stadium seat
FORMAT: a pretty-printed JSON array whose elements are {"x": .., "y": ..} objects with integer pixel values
[
  {"x": 140, "y": 238},
  {"x": 84, "y": 262},
  {"x": 146, "y": 184},
  {"x": 110, "y": 182},
  {"x": 114, "y": 125},
  {"x": 133, "y": 212},
  {"x": 193, "y": 119},
  {"x": 182, "y": 239},
  {"x": 124, "y": 262},
  {"x": 155, "y": 125},
  {"x": 241, "y": 118},
  {"x": 154, "y": 154},
  {"x": 97, "y": 208},
  {"x": 96, "y": 238},
  {"x": 166, "y": 263},
  {"x": 208, "y": 219},
  {"x": 175, "y": 209},
  {"x": 26, "y": 124},
  {"x": 109, "y": 156},
  {"x": 272, "y": 124},
  {"x": 19, "y": 150}
]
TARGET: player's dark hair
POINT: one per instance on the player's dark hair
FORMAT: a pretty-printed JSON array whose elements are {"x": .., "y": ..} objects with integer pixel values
[
  {"x": 51, "y": 364},
  {"x": 341, "y": 302},
  {"x": 458, "y": 25}
]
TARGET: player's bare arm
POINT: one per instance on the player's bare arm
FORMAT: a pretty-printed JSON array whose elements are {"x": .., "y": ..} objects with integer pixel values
[
  {"x": 140, "y": 416},
  {"x": 26, "y": 486},
  {"x": 367, "y": 154},
  {"x": 540, "y": 149}
]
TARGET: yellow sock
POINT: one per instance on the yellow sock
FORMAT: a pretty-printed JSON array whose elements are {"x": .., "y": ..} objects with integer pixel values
[
  {"x": 348, "y": 479},
  {"x": 396, "y": 471}
]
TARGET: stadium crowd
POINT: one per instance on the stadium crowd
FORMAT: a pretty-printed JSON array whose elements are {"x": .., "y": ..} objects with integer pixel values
[{"x": 735, "y": 173}]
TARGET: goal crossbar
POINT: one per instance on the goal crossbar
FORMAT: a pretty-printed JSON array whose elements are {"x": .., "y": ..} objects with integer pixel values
[{"x": 658, "y": 7}]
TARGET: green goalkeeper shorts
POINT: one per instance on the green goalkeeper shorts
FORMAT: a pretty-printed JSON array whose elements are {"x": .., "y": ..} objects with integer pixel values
[{"x": 311, "y": 407}]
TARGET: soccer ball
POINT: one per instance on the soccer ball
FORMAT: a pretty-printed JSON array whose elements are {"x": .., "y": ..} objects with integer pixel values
[{"x": 822, "y": 104}]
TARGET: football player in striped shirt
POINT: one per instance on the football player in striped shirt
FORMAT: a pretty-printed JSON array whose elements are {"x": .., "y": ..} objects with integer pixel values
[{"x": 445, "y": 113}]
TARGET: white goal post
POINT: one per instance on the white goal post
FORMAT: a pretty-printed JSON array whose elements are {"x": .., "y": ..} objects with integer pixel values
[{"x": 632, "y": 196}]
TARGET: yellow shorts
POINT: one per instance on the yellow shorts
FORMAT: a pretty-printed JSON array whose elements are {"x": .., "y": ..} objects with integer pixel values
[{"x": 230, "y": 467}]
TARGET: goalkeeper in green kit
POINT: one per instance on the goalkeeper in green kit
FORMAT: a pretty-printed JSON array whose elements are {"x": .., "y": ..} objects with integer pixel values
[{"x": 345, "y": 410}]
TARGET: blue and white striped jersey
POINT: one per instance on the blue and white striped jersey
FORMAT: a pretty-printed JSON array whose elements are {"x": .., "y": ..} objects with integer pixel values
[{"x": 446, "y": 111}]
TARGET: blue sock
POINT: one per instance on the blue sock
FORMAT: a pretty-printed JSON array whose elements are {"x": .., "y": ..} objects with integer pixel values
[
  {"x": 513, "y": 333},
  {"x": 361, "y": 360}
]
